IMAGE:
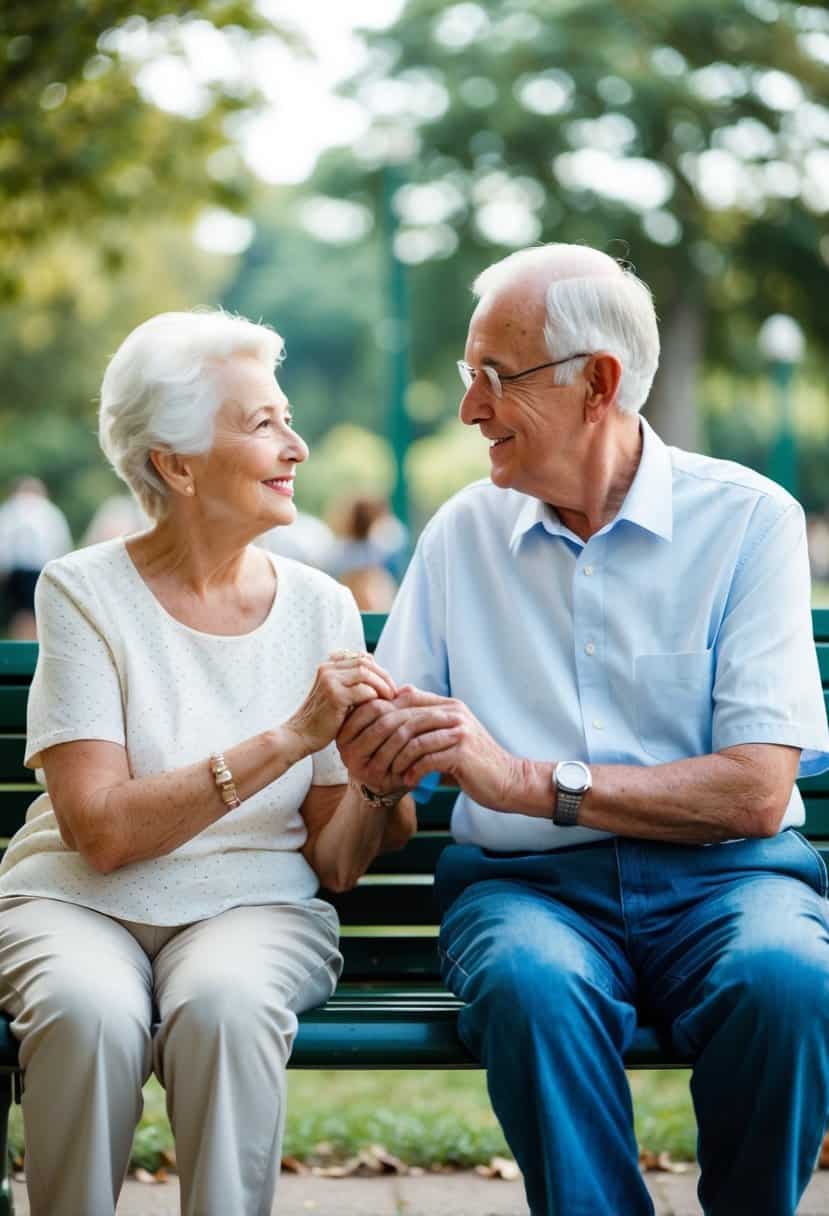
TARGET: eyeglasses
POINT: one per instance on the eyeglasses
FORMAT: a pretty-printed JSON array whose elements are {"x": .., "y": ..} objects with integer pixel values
[{"x": 469, "y": 373}]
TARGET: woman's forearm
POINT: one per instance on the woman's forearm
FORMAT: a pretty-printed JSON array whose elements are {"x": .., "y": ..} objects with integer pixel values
[
  {"x": 356, "y": 833},
  {"x": 145, "y": 817}
]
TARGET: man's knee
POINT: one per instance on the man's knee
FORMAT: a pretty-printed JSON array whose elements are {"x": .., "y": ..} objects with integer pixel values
[{"x": 785, "y": 985}]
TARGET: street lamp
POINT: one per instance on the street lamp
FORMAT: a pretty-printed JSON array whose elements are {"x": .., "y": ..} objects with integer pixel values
[
  {"x": 781, "y": 341},
  {"x": 397, "y": 344}
]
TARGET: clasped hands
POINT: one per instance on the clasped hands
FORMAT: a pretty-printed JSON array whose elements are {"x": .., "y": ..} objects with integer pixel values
[{"x": 390, "y": 743}]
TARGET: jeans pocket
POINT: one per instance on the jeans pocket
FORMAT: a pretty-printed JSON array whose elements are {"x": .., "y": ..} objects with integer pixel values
[{"x": 821, "y": 883}]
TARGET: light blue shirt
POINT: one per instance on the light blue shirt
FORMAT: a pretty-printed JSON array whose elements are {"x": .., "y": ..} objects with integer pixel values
[{"x": 681, "y": 628}]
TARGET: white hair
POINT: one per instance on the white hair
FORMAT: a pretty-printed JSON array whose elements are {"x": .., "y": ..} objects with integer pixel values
[
  {"x": 608, "y": 312},
  {"x": 160, "y": 392}
]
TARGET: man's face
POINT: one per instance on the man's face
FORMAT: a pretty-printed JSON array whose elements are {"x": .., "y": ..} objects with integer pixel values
[{"x": 533, "y": 428}]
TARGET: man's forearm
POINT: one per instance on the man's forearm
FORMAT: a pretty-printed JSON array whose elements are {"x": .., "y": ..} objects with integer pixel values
[{"x": 739, "y": 792}]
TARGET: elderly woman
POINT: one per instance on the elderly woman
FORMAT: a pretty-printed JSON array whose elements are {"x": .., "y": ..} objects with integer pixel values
[{"x": 158, "y": 910}]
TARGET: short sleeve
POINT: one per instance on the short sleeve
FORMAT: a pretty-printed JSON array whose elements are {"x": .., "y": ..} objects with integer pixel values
[
  {"x": 767, "y": 685},
  {"x": 76, "y": 691},
  {"x": 347, "y": 634},
  {"x": 412, "y": 646}
]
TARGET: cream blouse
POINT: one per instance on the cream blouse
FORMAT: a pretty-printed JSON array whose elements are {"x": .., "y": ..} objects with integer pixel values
[{"x": 114, "y": 665}]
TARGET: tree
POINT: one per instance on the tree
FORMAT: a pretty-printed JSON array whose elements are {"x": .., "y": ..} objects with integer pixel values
[
  {"x": 81, "y": 147},
  {"x": 690, "y": 137}
]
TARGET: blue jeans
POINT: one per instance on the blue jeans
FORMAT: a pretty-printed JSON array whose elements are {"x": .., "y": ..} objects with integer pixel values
[{"x": 725, "y": 947}]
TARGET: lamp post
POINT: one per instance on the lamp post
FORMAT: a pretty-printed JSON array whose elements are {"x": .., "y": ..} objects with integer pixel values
[
  {"x": 397, "y": 345},
  {"x": 781, "y": 342}
]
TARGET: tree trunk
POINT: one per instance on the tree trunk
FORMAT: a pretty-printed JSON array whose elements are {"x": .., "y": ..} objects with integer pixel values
[{"x": 671, "y": 408}]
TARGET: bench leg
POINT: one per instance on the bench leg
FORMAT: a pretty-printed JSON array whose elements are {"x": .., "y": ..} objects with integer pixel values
[{"x": 6, "y": 1201}]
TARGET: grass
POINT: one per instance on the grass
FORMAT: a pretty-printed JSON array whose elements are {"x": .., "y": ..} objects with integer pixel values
[{"x": 425, "y": 1118}]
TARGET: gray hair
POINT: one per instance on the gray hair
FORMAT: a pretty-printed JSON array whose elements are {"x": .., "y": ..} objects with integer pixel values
[
  {"x": 609, "y": 312},
  {"x": 160, "y": 392}
]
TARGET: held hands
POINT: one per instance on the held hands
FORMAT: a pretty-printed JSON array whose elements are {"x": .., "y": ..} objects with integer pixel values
[
  {"x": 346, "y": 680},
  {"x": 390, "y": 745}
]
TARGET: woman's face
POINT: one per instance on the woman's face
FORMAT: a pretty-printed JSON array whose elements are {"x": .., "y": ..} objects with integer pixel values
[{"x": 248, "y": 474}]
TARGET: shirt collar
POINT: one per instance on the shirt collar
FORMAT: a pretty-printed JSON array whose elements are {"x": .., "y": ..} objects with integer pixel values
[{"x": 648, "y": 503}]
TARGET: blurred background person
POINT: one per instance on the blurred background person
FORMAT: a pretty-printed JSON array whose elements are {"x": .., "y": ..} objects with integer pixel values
[
  {"x": 119, "y": 515},
  {"x": 32, "y": 531},
  {"x": 307, "y": 540},
  {"x": 370, "y": 546}
]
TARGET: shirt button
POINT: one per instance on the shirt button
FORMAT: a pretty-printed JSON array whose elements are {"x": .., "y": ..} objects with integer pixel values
[
  {"x": 590, "y": 648},
  {"x": 588, "y": 570},
  {"x": 598, "y": 724}
]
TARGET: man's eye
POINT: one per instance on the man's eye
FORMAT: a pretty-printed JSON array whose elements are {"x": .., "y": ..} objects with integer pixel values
[{"x": 264, "y": 422}]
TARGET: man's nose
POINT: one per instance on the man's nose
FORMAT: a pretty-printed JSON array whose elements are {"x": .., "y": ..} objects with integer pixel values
[{"x": 474, "y": 406}]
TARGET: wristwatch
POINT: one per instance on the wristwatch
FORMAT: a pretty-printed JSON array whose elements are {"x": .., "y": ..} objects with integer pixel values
[
  {"x": 571, "y": 781},
  {"x": 386, "y": 801}
]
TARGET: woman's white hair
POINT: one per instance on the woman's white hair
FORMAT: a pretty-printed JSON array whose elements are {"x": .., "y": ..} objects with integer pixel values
[
  {"x": 160, "y": 391},
  {"x": 611, "y": 311}
]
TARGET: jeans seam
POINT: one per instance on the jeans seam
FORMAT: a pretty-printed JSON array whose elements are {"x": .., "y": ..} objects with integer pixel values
[{"x": 447, "y": 955}]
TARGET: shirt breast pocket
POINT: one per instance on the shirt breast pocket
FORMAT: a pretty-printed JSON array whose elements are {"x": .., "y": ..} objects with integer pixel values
[{"x": 674, "y": 703}]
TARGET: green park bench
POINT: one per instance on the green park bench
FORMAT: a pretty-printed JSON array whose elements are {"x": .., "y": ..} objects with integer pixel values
[{"x": 391, "y": 1009}]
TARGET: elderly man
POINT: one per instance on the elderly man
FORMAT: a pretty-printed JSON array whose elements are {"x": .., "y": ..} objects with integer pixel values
[{"x": 611, "y": 649}]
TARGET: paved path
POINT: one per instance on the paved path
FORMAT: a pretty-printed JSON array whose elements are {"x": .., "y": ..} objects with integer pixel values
[{"x": 460, "y": 1194}]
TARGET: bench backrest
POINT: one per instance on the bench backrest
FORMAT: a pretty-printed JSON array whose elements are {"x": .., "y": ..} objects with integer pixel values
[{"x": 390, "y": 919}]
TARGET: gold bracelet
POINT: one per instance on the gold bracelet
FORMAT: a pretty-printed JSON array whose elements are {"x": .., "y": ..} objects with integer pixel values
[{"x": 224, "y": 782}]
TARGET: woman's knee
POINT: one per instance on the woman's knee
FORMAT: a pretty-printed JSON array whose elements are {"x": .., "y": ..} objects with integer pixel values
[
  {"x": 241, "y": 1006},
  {"x": 87, "y": 1012}
]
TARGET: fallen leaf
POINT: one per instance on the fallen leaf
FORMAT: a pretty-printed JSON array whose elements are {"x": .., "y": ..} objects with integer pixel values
[
  {"x": 662, "y": 1162},
  {"x": 499, "y": 1167},
  {"x": 387, "y": 1161},
  {"x": 823, "y": 1159},
  {"x": 293, "y": 1165}
]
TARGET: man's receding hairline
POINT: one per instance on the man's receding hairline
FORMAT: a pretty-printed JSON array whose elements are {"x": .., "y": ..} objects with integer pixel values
[{"x": 537, "y": 266}]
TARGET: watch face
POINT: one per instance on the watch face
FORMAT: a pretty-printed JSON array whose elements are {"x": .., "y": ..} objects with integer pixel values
[{"x": 572, "y": 776}]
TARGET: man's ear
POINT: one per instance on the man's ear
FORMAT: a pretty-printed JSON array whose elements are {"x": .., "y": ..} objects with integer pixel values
[
  {"x": 174, "y": 470},
  {"x": 602, "y": 375}
]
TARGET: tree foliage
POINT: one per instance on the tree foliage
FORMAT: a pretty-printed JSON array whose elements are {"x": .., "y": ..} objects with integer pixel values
[
  {"x": 690, "y": 137},
  {"x": 82, "y": 149}
]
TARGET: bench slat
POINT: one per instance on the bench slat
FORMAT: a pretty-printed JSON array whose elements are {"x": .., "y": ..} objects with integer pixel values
[
  {"x": 12, "y": 769},
  {"x": 386, "y": 903},
  {"x": 17, "y": 660},
  {"x": 420, "y": 856},
  {"x": 390, "y": 958},
  {"x": 359, "y": 1036}
]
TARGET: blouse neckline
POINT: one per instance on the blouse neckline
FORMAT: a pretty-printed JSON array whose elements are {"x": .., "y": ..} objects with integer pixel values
[{"x": 276, "y": 604}]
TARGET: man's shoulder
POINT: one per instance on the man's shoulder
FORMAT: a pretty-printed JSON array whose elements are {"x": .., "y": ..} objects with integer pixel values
[
  {"x": 727, "y": 480},
  {"x": 480, "y": 504}
]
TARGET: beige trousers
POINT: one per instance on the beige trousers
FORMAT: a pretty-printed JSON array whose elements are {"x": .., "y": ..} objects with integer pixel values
[{"x": 211, "y": 1007}]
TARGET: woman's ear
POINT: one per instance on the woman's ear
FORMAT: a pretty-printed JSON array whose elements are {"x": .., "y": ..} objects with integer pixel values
[{"x": 174, "y": 470}]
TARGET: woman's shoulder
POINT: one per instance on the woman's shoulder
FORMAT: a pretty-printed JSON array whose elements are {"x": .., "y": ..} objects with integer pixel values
[
  {"x": 308, "y": 580},
  {"x": 91, "y": 566}
]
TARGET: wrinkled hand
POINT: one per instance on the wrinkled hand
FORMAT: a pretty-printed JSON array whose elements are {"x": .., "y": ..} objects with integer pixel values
[
  {"x": 392, "y": 745},
  {"x": 347, "y": 679},
  {"x": 373, "y": 737}
]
